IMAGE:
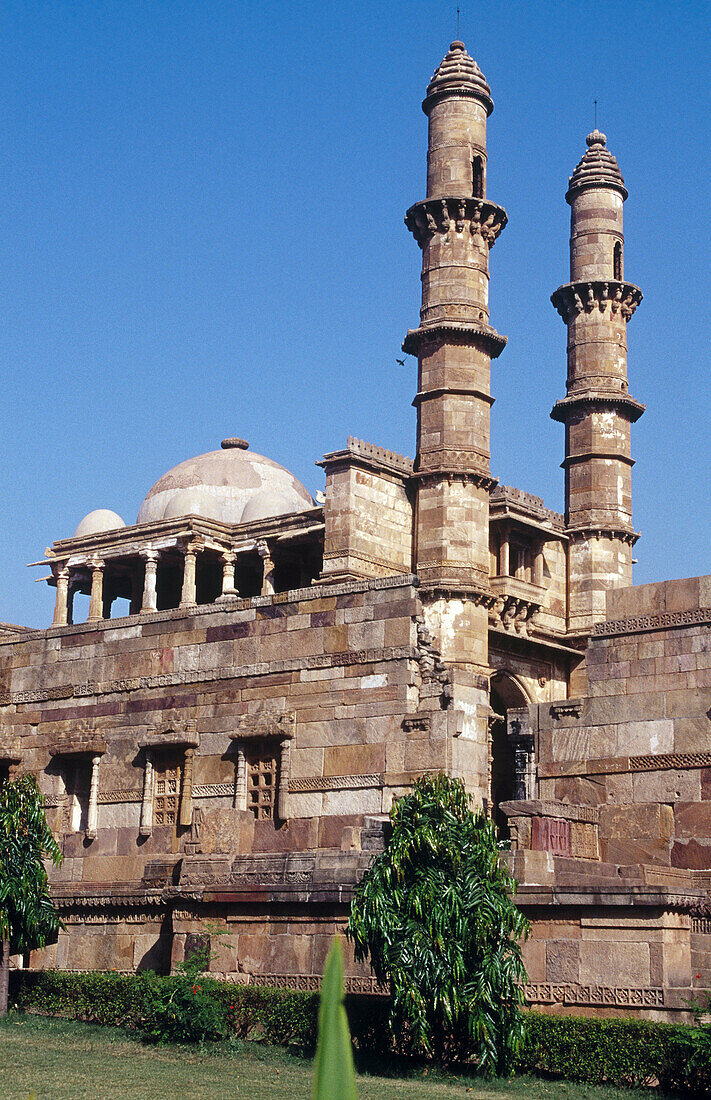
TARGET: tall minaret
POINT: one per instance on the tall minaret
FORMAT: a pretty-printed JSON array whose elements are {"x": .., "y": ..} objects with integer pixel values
[
  {"x": 455, "y": 227},
  {"x": 597, "y": 411}
]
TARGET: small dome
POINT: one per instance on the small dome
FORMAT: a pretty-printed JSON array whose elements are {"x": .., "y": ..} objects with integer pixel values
[
  {"x": 265, "y": 505},
  {"x": 220, "y": 484},
  {"x": 98, "y": 521},
  {"x": 192, "y": 502},
  {"x": 458, "y": 75},
  {"x": 597, "y": 168}
]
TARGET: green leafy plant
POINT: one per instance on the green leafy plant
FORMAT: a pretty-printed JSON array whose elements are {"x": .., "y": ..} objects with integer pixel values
[
  {"x": 334, "y": 1074},
  {"x": 185, "y": 1010},
  {"x": 626, "y": 1053},
  {"x": 28, "y": 918},
  {"x": 435, "y": 915}
]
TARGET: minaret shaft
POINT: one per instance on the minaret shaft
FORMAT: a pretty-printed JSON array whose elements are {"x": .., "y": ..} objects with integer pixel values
[
  {"x": 455, "y": 227},
  {"x": 597, "y": 411}
]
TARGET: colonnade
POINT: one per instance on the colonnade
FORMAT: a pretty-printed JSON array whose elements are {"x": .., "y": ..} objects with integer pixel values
[
  {"x": 145, "y": 600},
  {"x": 507, "y": 568}
]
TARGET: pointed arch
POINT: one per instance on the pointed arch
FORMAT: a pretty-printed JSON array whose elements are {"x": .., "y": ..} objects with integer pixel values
[{"x": 506, "y": 692}]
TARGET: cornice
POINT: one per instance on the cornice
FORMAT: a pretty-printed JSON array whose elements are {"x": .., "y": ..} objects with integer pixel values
[
  {"x": 603, "y": 530},
  {"x": 599, "y": 401},
  {"x": 359, "y": 452},
  {"x": 571, "y": 299},
  {"x": 456, "y": 473},
  {"x": 452, "y": 332},
  {"x": 479, "y": 217}
]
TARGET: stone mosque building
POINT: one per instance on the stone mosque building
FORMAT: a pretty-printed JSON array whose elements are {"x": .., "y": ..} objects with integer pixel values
[{"x": 228, "y": 749}]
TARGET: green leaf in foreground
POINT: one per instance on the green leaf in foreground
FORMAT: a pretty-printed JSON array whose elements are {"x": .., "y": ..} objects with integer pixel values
[{"x": 334, "y": 1075}]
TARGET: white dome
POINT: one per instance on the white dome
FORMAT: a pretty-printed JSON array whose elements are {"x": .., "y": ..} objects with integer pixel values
[
  {"x": 98, "y": 521},
  {"x": 264, "y": 505},
  {"x": 192, "y": 502},
  {"x": 220, "y": 484}
]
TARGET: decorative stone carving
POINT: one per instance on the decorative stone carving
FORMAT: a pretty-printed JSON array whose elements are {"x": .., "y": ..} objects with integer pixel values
[
  {"x": 433, "y": 670},
  {"x": 316, "y": 783},
  {"x": 551, "y": 993},
  {"x": 259, "y": 726},
  {"x": 662, "y": 621},
  {"x": 484, "y": 219},
  {"x": 574, "y": 298},
  {"x": 568, "y": 708}
]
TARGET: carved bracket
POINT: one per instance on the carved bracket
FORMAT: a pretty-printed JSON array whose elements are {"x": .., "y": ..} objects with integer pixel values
[
  {"x": 575, "y": 298},
  {"x": 477, "y": 216}
]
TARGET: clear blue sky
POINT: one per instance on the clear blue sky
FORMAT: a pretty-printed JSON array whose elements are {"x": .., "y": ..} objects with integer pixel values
[{"x": 201, "y": 235}]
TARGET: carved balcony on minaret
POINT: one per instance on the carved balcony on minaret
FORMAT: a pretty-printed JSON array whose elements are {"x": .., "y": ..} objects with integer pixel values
[
  {"x": 479, "y": 217},
  {"x": 572, "y": 299}
]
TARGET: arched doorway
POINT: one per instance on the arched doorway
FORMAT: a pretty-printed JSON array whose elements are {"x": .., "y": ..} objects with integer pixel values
[{"x": 505, "y": 694}]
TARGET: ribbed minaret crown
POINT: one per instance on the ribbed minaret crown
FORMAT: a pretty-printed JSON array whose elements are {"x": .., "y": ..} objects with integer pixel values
[
  {"x": 458, "y": 75},
  {"x": 597, "y": 168}
]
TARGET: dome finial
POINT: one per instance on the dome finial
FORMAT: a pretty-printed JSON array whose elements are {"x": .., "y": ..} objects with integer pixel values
[{"x": 458, "y": 75}]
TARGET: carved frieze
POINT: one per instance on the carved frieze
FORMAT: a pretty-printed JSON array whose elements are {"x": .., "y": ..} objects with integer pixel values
[
  {"x": 553, "y": 993},
  {"x": 661, "y": 621},
  {"x": 311, "y": 983},
  {"x": 314, "y": 783},
  {"x": 575, "y": 298},
  {"x": 201, "y": 676}
]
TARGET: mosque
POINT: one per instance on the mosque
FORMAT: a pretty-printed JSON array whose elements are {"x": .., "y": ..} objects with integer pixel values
[{"x": 261, "y": 674}]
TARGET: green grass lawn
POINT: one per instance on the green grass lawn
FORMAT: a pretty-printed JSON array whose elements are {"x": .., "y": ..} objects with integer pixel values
[{"x": 67, "y": 1060}]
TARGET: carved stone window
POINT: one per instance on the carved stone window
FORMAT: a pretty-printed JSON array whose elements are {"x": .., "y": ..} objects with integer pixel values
[
  {"x": 166, "y": 789},
  {"x": 477, "y": 178},
  {"x": 169, "y": 754},
  {"x": 617, "y": 262},
  {"x": 76, "y": 774},
  {"x": 262, "y": 764}
]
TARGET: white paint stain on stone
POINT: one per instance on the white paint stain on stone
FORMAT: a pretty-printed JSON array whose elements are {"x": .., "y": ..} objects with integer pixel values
[{"x": 376, "y": 681}]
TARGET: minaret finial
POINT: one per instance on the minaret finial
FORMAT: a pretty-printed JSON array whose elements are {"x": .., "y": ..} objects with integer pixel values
[
  {"x": 457, "y": 24},
  {"x": 595, "y": 126}
]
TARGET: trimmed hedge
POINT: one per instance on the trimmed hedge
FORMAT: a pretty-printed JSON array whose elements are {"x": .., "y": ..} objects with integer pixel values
[
  {"x": 277, "y": 1016},
  {"x": 620, "y": 1052},
  {"x": 627, "y": 1053}
]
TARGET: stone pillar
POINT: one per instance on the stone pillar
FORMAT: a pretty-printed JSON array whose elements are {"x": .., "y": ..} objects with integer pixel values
[
  {"x": 240, "y": 800},
  {"x": 136, "y": 591},
  {"x": 188, "y": 595},
  {"x": 504, "y": 555},
  {"x": 268, "y": 566},
  {"x": 61, "y": 605},
  {"x": 538, "y": 563},
  {"x": 186, "y": 794},
  {"x": 149, "y": 601},
  {"x": 146, "y": 826},
  {"x": 597, "y": 410},
  {"x": 229, "y": 591},
  {"x": 284, "y": 776},
  {"x": 70, "y": 601},
  {"x": 92, "y": 815},
  {"x": 96, "y": 602}
]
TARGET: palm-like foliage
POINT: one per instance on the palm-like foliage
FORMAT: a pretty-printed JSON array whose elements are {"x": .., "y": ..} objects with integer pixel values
[
  {"x": 435, "y": 913},
  {"x": 28, "y": 918}
]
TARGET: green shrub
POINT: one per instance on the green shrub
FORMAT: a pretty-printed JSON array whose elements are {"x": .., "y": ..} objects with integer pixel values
[
  {"x": 616, "y": 1052},
  {"x": 434, "y": 915},
  {"x": 694, "y": 1049},
  {"x": 627, "y": 1053},
  {"x": 186, "y": 1010}
]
